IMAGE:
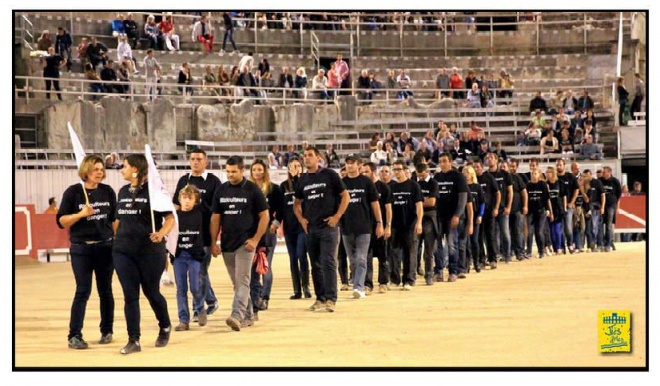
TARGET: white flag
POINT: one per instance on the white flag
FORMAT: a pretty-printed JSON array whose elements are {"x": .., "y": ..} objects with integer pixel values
[
  {"x": 77, "y": 146},
  {"x": 161, "y": 201}
]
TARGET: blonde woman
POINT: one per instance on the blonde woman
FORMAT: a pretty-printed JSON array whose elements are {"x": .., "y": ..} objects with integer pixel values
[
  {"x": 300, "y": 82},
  {"x": 478, "y": 208},
  {"x": 558, "y": 201}
]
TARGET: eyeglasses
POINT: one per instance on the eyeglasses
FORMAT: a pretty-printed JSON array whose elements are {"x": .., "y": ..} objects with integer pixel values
[{"x": 398, "y": 169}]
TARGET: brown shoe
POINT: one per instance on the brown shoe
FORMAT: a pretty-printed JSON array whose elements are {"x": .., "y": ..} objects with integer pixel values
[
  {"x": 182, "y": 327},
  {"x": 330, "y": 306},
  {"x": 317, "y": 305},
  {"x": 452, "y": 278},
  {"x": 234, "y": 323},
  {"x": 493, "y": 265}
]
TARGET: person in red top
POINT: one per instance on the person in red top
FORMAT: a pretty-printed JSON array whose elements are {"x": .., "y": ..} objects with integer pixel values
[
  {"x": 343, "y": 72},
  {"x": 456, "y": 84},
  {"x": 166, "y": 27},
  {"x": 333, "y": 80},
  {"x": 475, "y": 134}
]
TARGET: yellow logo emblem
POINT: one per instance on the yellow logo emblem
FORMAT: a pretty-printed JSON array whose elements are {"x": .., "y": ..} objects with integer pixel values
[{"x": 614, "y": 331}]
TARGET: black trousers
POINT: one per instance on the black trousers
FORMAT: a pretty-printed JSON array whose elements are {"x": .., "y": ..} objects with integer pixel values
[
  {"x": 404, "y": 244},
  {"x": 342, "y": 262},
  {"x": 429, "y": 238},
  {"x": 488, "y": 237},
  {"x": 322, "y": 249},
  {"x": 381, "y": 249},
  {"x": 88, "y": 259},
  {"x": 538, "y": 221},
  {"x": 54, "y": 84}
]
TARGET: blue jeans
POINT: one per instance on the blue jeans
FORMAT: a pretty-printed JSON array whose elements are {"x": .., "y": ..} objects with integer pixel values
[
  {"x": 505, "y": 234},
  {"x": 229, "y": 33},
  {"x": 88, "y": 259},
  {"x": 475, "y": 244},
  {"x": 517, "y": 234},
  {"x": 568, "y": 226},
  {"x": 205, "y": 284},
  {"x": 256, "y": 289},
  {"x": 594, "y": 234},
  {"x": 135, "y": 271},
  {"x": 536, "y": 222},
  {"x": 609, "y": 225},
  {"x": 322, "y": 245},
  {"x": 186, "y": 268},
  {"x": 445, "y": 229},
  {"x": 357, "y": 248},
  {"x": 295, "y": 246},
  {"x": 462, "y": 246},
  {"x": 556, "y": 234}
]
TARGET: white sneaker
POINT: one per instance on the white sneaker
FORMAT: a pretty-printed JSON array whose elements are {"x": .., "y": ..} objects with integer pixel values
[
  {"x": 165, "y": 279},
  {"x": 221, "y": 52},
  {"x": 358, "y": 294},
  {"x": 407, "y": 287}
]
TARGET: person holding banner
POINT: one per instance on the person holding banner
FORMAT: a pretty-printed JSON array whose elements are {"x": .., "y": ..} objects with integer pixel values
[
  {"x": 139, "y": 248},
  {"x": 88, "y": 211}
]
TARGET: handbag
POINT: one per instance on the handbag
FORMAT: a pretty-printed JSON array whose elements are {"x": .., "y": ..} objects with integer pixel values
[{"x": 260, "y": 261}]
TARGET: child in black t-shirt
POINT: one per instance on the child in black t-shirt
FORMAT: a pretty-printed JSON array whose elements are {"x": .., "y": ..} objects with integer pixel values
[{"x": 189, "y": 256}]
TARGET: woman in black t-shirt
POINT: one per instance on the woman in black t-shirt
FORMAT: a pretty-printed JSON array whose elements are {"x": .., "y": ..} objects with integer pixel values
[
  {"x": 294, "y": 236},
  {"x": 558, "y": 202},
  {"x": 478, "y": 209},
  {"x": 88, "y": 213},
  {"x": 261, "y": 177},
  {"x": 139, "y": 252},
  {"x": 539, "y": 208}
]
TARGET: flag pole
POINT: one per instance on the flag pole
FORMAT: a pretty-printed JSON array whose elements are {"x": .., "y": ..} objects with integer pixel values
[{"x": 79, "y": 154}]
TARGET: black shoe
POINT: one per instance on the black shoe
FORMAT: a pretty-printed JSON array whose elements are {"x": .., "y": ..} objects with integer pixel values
[
  {"x": 131, "y": 347},
  {"x": 263, "y": 306},
  {"x": 297, "y": 295},
  {"x": 195, "y": 317},
  {"x": 106, "y": 338},
  {"x": 77, "y": 343},
  {"x": 163, "y": 337},
  {"x": 211, "y": 309},
  {"x": 477, "y": 268},
  {"x": 307, "y": 293}
]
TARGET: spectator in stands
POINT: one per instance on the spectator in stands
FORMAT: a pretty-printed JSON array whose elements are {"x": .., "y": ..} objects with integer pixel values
[
  {"x": 442, "y": 84},
  {"x": 431, "y": 143},
  {"x": 590, "y": 150},
  {"x": 475, "y": 134},
  {"x": 379, "y": 156},
  {"x": 300, "y": 83},
  {"x": 565, "y": 143},
  {"x": 549, "y": 143},
  {"x": 622, "y": 94},
  {"x": 333, "y": 80},
  {"x": 152, "y": 71},
  {"x": 52, "y": 206},
  {"x": 590, "y": 130},
  {"x": 538, "y": 103},
  {"x": 486, "y": 98},
  {"x": 124, "y": 77},
  {"x": 343, "y": 72},
  {"x": 166, "y": 28},
  {"x": 374, "y": 84},
  {"x": 500, "y": 152},
  {"x": 112, "y": 161},
  {"x": 404, "y": 139},
  {"x": 506, "y": 85},
  {"x": 590, "y": 116},
  {"x": 403, "y": 83},
  {"x": 408, "y": 154},
  {"x": 131, "y": 29},
  {"x": 125, "y": 55},
  {"x": 373, "y": 141},
  {"x": 248, "y": 61},
  {"x": 224, "y": 81},
  {"x": 391, "y": 80},
  {"x": 275, "y": 158},
  {"x": 108, "y": 74},
  {"x": 330, "y": 156},
  {"x": 90, "y": 74},
  {"x": 585, "y": 102},
  {"x": 320, "y": 84},
  {"x": 532, "y": 134},
  {"x": 229, "y": 33},
  {"x": 556, "y": 102},
  {"x": 97, "y": 53},
  {"x": 364, "y": 85},
  {"x": 484, "y": 149},
  {"x": 52, "y": 63},
  {"x": 201, "y": 32},
  {"x": 470, "y": 79},
  {"x": 539, "y": 121},
  {"x": 185, "y": 80},
  {"x": 474, "y": 97},
  {"x": 639, "y": 96},
  {"x": 290, "y": 153},
  {"x": 118, "y": 28},
  {"x": 63, "y": 45},
  {"x": 455, "y": 84},
  {"x": 563, "y": 116},
  {"x": 576, "y": 121},
  {"x": 637, "y": 189},
  {"x": 425, "y": 152},
  {"x": 152, "y": 32},
  {"x": 264, "y": 69},
  {"x": 520, "y": 139},
  {"x": 570, "y": 103},
  {"x": 392, "y": 154},
  {"x": 247, "y": 80},
  {"x": 210, "y": 82},
  {"x": 81, "y": 50},
  {"x": 44, "y": 41},
  {"x": 286, "y": 80}
]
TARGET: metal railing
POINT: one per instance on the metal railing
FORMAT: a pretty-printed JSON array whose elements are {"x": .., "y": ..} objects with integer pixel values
[{"x": 27, "y": 32}]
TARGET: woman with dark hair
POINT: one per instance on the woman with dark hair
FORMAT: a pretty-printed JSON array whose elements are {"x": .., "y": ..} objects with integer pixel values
[
  {"x": 139, "y": 252},
  {"x": 557, "y": 196},
  {"x": 261, "y": 177},
  {"x": 294, "y": 236},
  {"x": 87, "y": 211}
]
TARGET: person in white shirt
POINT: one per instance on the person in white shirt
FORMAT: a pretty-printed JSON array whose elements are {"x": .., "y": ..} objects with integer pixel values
[
  {"x": 320, "y": 84},
  {"x": 403, "y": 82},
  {"x": 125, "y": 55},
  {"x": 246, "y": 60},
  {"x": 379, "y": 156},
  {"x": 153, "y": 72}
]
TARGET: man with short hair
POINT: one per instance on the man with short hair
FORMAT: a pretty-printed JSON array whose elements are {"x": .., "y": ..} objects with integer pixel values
[
  {"x": 572, "y": 190},
  {"x": 538, "y": 103},
  {"x": 407, "y": 214},
  {"x": 240, "y": 210},
  {"x": 108, "y": 74},
  {"x": 450, "y": 206},
  {"x": 502, "y": 212},
  {"x": 612, "y": 188},
  {"x": 429, "y": 187},
  {"x": 153, "y": 72},
  {"x": 595, "y": 198},
  {"x": 325, "y": 200},
  {"x": 636, "y": 105},
  {"x": 208, "y": 184},
  {"x": 356, "y": 225},
  {"x": 63, "y": 43},
  {"x": 201, "y": 32},
  {"x": 97, "y": 53},
  {"x": 518, "y": 209},
  {"x": 590, "y": 150},
  {"x": 492, "y": 198}
]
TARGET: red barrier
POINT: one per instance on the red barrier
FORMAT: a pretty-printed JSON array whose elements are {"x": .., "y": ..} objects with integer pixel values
[
  {"x": 632, "y": 214},
  {"x": 48, "y": 234},
  {"x": 33, "y": 232}
]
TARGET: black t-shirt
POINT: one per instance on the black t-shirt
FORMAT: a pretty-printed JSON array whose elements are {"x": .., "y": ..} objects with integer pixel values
[
  {"x": 191, "y": 228},
  {"x": 524, "y": 177},
  {"x": 518, "y": 187},
  {"x": 239, "y": 207},
  {"x": 489, "y": 187},
  {"x": 557, "y": 193},
  {"x": 97, "y": 227},
  {"x": 52, "y": 69},
  {"x": 538, "y": 195},
  {"x": 570, "y": 185},
  {"x": 358, "y": 218},
  {"x": 477, "y": 198},
  {"x": 321, "y": 195},
  {"x": 612, "y": 188},
  {"x": 207, "y": 188},
  {"x": 405, "y": 196},
  {"x": 429, "y": 189},
  {"x": 134, "y": 215},
  {"x": 503, "y": 181},
  {"x": 384, "y": 197},
  {"x": 595, "y": 191},
  {"x": 286, "y": 215},
  {"x": 450, "y": 184},
  {"x": 275, "y": 200}
]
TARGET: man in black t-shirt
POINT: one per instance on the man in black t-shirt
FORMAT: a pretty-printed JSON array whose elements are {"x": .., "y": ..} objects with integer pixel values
[
  {"x": 518, "y": 211},
  {"x": 207, "y": 183},
  {"x": 240, "y": 210},
  {"x": 380, "y": 246},
  {"x": 595, "y": 200},
  {"x": 492, "y": 197},
  {"x": 356, "y": 225},
  {"x": 407, "y": 214},
  {"x": 321, "y": 200},
  {"x": 572, "y": 190},
  {"x": 502, "y": 212},
  {"x": 452, "y": 197},
  {"x": 51, "y": 65},
  {"x": 612, "y": 188},
  {"x": 429, "y": 237}
]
